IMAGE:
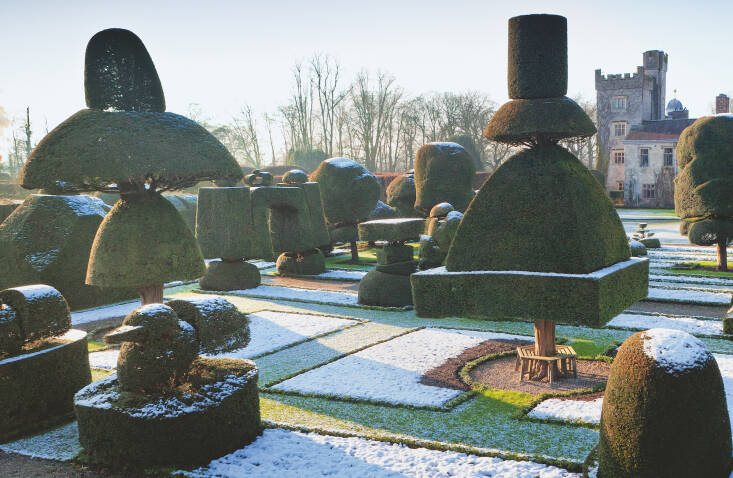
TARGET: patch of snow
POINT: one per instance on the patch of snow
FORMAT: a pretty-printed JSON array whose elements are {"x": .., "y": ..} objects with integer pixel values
[
  {"x": 340, "y": 274},
  {"x": 342, "y": 163},
  {"x": 689, "y": 296},
  {"x": 153, "y": 309},
  {"x": 264, "y": 265},
  {"x": 37, "y": 291},
  {"x": 40, "y": 260},
  {"x": 674, "y": 350},
  {"x": 684, "y": 279},
  {"x": 599, "y": 274},
  {"x": 301, "y": 295},
  {"x": 395, "y": 220},
  {"x": 725, "y": 364},
  {"x": 289, "y": 454},
  {"x": 569, "y": 410},
  {"x": 391, "y": 371},
  {"x": 61, "y": 443},
  {"x": 106, "y": 359},
  {"x": 686, "y": 324},
  {"x": 84, "y": 205},
  {"x": 272, "y": 330},
  {"x": 448, "y": 148},
  {"x": 102, "y": 313}
]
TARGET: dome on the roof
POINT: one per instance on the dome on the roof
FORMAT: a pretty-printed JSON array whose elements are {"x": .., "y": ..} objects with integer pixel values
[{"x": 675, "y": 105}]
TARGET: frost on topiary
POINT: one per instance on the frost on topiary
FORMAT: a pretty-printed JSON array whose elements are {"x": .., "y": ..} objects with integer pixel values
[
  {"x": 444, "y": 172},
  {"x": 48, "y": 240},
  {"x": 220, "y": 326},
  {"x": 664, "y": 410},
  {"x": 401, "y": 195},
  {"x": 703, "y": 192}
]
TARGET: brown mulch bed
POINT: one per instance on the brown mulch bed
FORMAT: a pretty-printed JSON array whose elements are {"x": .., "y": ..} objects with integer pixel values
[
  {"x": 500, "y": 374},
  {"x": 447, "y": 375}
]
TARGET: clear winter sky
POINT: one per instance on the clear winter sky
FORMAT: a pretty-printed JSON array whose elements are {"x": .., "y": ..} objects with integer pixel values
[{"x": 221, "y": 54}]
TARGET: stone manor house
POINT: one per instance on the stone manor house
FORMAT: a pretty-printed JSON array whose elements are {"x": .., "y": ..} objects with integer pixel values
[{"x": 637, "y": 135}]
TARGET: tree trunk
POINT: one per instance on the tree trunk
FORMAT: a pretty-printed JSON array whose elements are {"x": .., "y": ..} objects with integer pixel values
[
  {"x": 722, "y": 255},
  {"x": 354, "y": 253},
  {"x": 151, "y": 294},
  {"x": 544, "y": 346}
]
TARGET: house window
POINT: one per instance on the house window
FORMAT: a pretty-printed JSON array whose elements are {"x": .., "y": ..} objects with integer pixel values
[
  {"x": 644, "y": 157},
  {"x": 619, "y": 129},
  {"x": 618, "y": 157},
  {"x": 647, "y": 191},
  {"x": 618, "y": 103},
  {"x": 668, "y": 161},
  {"x": 620, "y": 185}
]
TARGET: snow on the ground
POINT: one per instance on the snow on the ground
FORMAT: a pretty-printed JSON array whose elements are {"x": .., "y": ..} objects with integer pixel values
[
  {"x": 686, "y": 279},
  {"x": 648, "y": 321},
  {"x": 264, "y": 265},
  {"x": 689, "y": 286},
  {"x": 725, "y": 363},
  {"x": 674, "y": 350},
  {"x": 105, "y": 312},
  {"x": 391, "y": 371},
  {"x": 301, "y": 295},
  {"x": 61, "y": 443},
  {"x": 569, "y": 410},
  {"x": 289, "y": 454},
  {"x": 271, "y": 330},
  {"x": 689, "y": 296},
  {"x": 341, "y": 274},
  {"x": 106, "y": 359}
]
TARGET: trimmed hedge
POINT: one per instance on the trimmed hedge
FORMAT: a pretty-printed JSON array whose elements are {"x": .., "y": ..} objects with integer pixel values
[
  {"x": 309, "y": 263},
  {"x": 581, "y": 299},
  {"x": 223, "y": 225},
  {"x": 348, "y": 191},
  {"x": 540, "y": 211},
  {"x": 392, "y": 253},
  {"x": 7, "y": 208},
  {"x": 658, "y": 421},
  {"x": 391, "y": 230},
  {"x": 401, "y": 195},
  {"x": 385, "y": 290},
  {"x": 538, "y": 56},
  {"x": 143, "y": 241},
  {"x": 119, "y": 147},
  {"x": 539, "y": 120},
  {"x": 230, "y": 275},
  {"x": 48, "y": 241},
  {"x": 383, "y": 211},
  {"x": 214, "y": 413},
  {"x": 120, "y": 75},
  {"x": 220, "y": 326},
  {"x": 282, "y": 214},
  {"x": 444, "y": 172},
  {"x": 41, "y": 384},
  {"x": 41, "y": 311}
]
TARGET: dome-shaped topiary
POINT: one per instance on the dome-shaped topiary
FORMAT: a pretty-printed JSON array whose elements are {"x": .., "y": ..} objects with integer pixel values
[
  {"x": 519, "y": 221},
  {"x": 348, "y": 191},
  {"x": 444, "y": 172},
  {"x": 401, "y": 195},
  {"x": 664, "y": 410}
]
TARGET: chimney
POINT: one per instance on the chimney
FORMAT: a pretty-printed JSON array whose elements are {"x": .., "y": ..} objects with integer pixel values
[{"x": 722, "y": 104}]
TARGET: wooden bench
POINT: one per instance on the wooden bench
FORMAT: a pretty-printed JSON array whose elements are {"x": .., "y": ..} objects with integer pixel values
[{"x": 565, "y": 357}]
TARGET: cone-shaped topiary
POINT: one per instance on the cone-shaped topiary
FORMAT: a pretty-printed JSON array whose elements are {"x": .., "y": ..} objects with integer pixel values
[
  {"x": 664, "y": 410},
  {"x": 507, "y": 228},
  {"x": 703, "y": 193},
  {"x": 444, "y": 172}
]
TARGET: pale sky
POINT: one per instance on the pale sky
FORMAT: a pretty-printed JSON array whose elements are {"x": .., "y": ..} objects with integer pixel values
[{"x": 221, "y": 54}]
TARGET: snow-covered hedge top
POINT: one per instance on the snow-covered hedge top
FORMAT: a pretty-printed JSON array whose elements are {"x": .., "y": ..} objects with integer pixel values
[
  {"x": 37, "y": 291},
  {"x": 209, "y": 303},
  {"x": 448, "y": 148},
  {"x": 153, "y": 309},
  {"x": 675, "y": 350}
]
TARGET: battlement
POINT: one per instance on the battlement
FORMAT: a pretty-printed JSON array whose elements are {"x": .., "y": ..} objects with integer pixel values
[{"x": 620, "y": 80}]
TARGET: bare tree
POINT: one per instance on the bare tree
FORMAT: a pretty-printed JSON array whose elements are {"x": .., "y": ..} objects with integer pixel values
[
  {"x": 241, "y": 138},
  {"x": 325, "y": 80},
  {"x": 298, "y": 113}
]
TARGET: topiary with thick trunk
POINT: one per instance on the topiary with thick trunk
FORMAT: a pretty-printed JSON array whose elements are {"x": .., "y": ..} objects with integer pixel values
[
  {"x": 126, "y": 143},
  {"x": 703, "y": 192}
]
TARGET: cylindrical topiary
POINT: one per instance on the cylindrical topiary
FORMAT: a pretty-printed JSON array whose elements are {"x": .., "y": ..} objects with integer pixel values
[
  {"x": 230, "y": 274},
  {"x": 664, "y": 410},
  {"x": 301, "y": 263},
  {"x": 444, "y": 172}
]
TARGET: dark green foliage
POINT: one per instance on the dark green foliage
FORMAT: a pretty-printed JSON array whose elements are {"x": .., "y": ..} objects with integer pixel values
[
  {"x": 259, "y": 178},
  {"x": 538, "y": 56},
  {"x": 143, "y": 241},
  {"x": 541, "y": 211},
  {"x": 401, "y": 195},
  {"x": 386, "y": 290},
  {"x": 11, "y": 338},
  {"x": 40, "y": 386},
  {"x": 470, "y": 146},
  {"x": 220, "y": 326},
  {"x": 283, "y": 211},
  {"x": 391, "y": 230},
  {"x": 398, "y": 268},
  {"x": 600, "y": 177},
  {"x": 348, "y": 191},
  {"x": 223, "y": 224},
  {"x": 382, "y": 211},
  {"x": 120, "y": 75},
  {"x": 307, "y": 159},
  {"x": 295, "y": 176},
  {"x": 537, "y": 121},
  {"x": 446, "y": 229},
  {"x": 657, "y": 422},
  {"x": 122, "y": 147},
  {"x": 7, "y": 207},
  {"x": 48, "y": 240},
  {"x": 41, "y": 311},
  {"x": 224, "y": 415},
  {"x": 581, "y": 300},
  {"x": 186, "y": 205},
  {"x": 392, "y": 253},
  {"x": 346, "y": 233},
  {"x": 704, "y": 187},
  {"x": 308, "y": 263},
  {"x": 652, "y": 242},
  {"x": 444, "y": 172},
  {"x": 728, "y": 325},
  {"x": 230, "y": 275},
  {"x": 319, "y": 230},
  {"x": 637, "y": 248}
]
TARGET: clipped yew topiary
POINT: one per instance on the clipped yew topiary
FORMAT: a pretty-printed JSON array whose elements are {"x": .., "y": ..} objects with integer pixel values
[
  {"x": 703, "y": 192},
  {"x": 444, "y": 172},
  {"x": 126, "y": 143},
  {"x": 401, "y": 195},
  {"x": 349, "y": 194},
  {"x": 664, "y": 410}
]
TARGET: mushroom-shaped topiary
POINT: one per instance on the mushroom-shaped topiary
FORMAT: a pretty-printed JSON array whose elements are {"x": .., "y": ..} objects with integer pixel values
[
  {"x": 126, "y": 143},
  {"x": 349, "y": 193},
  {"x": 444, "y": 172},
  {"x": 703, "y": 192},
  {"x": 664, "y": 410}
]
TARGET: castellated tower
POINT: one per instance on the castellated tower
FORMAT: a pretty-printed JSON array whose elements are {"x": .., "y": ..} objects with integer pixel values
[{"x": 624, "y": 100}]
